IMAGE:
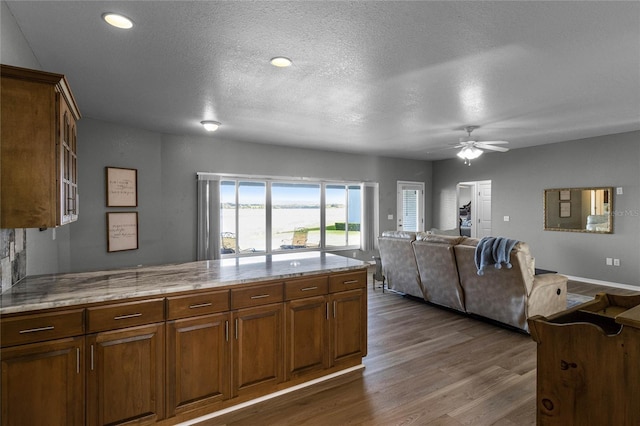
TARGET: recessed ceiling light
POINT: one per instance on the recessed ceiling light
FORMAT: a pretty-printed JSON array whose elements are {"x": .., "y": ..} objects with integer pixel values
[
  {"x": 118, "y": 21},
  {"x": 210, "y": 125},
  {"x": 281, "y": 62}
]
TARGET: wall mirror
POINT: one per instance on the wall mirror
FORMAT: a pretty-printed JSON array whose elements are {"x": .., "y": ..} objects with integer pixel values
[{"x": 579, "y": 210}]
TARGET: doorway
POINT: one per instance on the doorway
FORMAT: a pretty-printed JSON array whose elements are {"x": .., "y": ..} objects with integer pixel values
[
  {"x": 474, "y": 208},
  {"x": 410, "y": 206}
]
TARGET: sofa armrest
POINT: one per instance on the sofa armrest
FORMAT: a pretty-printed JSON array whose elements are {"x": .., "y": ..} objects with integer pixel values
[{"x": 548, "y": 295}]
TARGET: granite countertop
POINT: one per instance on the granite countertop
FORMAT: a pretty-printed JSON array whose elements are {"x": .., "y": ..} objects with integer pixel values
[{"x": 61, "y": 290}]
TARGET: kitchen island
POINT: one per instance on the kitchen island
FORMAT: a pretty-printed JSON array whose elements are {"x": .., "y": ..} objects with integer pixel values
[{"x": 164, "y": 344}]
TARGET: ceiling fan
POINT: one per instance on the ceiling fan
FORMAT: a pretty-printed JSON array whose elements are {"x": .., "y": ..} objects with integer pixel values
[{"x": 472, "y": 149}]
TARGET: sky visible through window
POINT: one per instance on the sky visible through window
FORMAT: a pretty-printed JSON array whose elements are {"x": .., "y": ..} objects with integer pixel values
[{"x": 294, "y": 193}]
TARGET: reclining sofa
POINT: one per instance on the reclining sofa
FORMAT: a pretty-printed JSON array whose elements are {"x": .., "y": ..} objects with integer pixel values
[{"x": 441, "y": 269}]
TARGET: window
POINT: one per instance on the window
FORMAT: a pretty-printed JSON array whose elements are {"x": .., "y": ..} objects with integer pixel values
[
  {"x": 295, "y": 216},
  {"x": 343, "y": 214},
  {"x": 258, "y": 215},
  {"x": 242, "y": 203},
  {"x": 410, "y": 206}
]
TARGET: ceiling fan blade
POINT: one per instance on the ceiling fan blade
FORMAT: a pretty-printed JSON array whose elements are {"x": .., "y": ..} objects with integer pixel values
[
  {"x": 494, "y": 142},
  {"x": 492, "y": 147},
  {"x": 442, "y": 148}
]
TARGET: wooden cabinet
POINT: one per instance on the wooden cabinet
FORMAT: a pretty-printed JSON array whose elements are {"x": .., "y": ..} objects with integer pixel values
[
  {"x": 258, "y": 340},
  {"x": 349, "y": 317},
  {"x": 587, "y": 360},
  {"x": 169, "y": 359},
  {"x": 197, "y": 351},
  {"x": 38, "y": 150},
  {"x": 43, "y": 383},
  {"x": 307, "y": 336},
  {"x": 42, "y": 367},
  {"x": 125, "y": 380},
  {"x": 348, "y": 327},
  {"x": 325, "y": 330},
  {"x": 307, "y": 326}
]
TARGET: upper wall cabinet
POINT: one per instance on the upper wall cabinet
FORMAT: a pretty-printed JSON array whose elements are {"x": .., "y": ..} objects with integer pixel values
[{"x": 38, "y": 150}]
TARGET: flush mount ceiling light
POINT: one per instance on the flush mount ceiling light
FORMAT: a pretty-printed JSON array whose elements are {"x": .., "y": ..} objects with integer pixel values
[
  {"x": 281, "y": 62},
  {"x": 117, "y": 20},
  {"x": 210, "y": 125}
]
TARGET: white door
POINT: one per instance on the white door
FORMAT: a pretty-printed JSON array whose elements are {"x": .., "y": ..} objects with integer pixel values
[
  {"x": 410, "y": 206},
  {"x": 484, "y": 209}
]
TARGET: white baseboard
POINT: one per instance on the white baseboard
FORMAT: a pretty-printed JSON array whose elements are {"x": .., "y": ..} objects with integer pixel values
[
  {"x": 604, "y": 283},
  {"x": 271, "y": 395}
]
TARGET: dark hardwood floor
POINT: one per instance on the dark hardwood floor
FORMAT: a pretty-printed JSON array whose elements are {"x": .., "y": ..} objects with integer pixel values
[{"x": 425, "y": 366}]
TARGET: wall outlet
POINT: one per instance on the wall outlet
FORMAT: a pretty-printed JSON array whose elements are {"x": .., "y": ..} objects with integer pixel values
[
  {"x": 506, "y": 218},
  {"x": 619, "y": 190},
  {"x": 609, "y": 261},
  {"x": 390, "y": 217},
  {"x": 616, "y": 262}
]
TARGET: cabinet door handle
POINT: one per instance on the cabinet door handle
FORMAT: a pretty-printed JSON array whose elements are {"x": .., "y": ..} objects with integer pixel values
[
  {"x": 119, "y": 317},
  {"x": 327, "y": 310},
  {"x": 91, "y": 357},
  {"x": 236, "y": 328},
  {"x": 226, "y": 331},
  {"x": 200, "y": 305},
  {"x": 350, "y": 282},
  {"x": 260, "y": 296},
  {"x": 334, "y": 309},
  {"x": 77, "y": 360},
  {"x": 35, "y": 330},
  {"x": 309, "y": 288}
]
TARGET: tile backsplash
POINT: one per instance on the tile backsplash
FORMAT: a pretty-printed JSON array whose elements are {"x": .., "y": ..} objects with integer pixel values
[{"x": 13, "y": 256}]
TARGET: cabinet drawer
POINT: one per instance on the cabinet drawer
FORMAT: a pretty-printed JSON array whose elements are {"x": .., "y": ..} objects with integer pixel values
[
  {"x": 122, "y": 315},
  {"x": 308, "y": 287},
  {"x": 40, "y": 327},
  {"x": 348, "y": 281},
  {"x": 256, "y": 295},
  {"x": 197, "y": 304}
]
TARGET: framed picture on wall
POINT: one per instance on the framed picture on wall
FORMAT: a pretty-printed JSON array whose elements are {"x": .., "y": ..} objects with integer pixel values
[
  {"x": 122, "y": 231},
  {"x": 122, "y": 187},
  {"x": 565, "y": 209}
]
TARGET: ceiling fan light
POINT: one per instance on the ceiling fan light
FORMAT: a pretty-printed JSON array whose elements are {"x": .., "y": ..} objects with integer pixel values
[
  {"x": 470, "y": 153},
  {"x": 474, "y": 153}
]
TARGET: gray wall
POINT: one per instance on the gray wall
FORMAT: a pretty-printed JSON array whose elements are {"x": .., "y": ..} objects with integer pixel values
[
  {"x": 14, "y": 50},
  {"x": 167, "y": 167},
  {"x": 519, "y": 178}
]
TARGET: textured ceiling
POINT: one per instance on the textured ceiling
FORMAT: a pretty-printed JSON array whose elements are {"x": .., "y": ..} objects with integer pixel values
[{"x": 387, "y": 78}]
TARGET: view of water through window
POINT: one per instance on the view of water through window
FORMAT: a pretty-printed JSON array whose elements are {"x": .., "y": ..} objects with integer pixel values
[{"x": 295, "y": 216}]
